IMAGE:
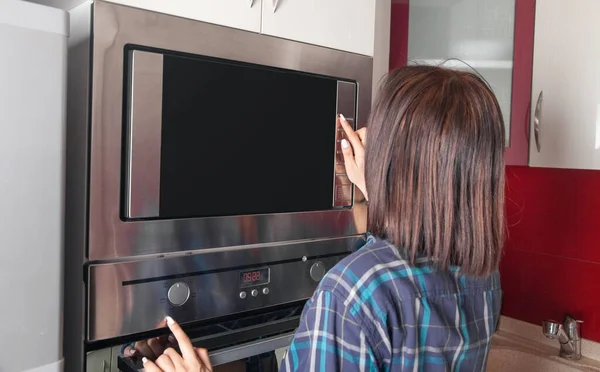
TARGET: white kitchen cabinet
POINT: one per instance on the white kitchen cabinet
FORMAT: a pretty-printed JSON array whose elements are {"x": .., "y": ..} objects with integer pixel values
[
  {"x": 242, "y": 14},
  {"x": 565, "y": 111},
  {"x": 339, "y": 24},
  {"x": 99, "y": 361}
]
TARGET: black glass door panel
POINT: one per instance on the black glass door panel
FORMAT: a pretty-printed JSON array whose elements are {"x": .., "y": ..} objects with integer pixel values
[{"x": 239, "y": 139}]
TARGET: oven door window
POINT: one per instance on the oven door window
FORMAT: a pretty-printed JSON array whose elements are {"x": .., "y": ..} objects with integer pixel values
[{"x": 208, "y": 138}]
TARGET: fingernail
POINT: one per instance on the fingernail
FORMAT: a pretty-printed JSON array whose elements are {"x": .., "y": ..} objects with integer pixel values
[
  {"x": 170, "y": 320},
  {"x": 342, "y": 117},
  {"x": 344, "y": 144},
  {"x": 132, "y": 351},
  {"x": 144, "y": 360}
]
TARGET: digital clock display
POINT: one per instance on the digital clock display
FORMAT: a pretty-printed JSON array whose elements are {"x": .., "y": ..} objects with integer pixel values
[{"x": 254, "y": 277}]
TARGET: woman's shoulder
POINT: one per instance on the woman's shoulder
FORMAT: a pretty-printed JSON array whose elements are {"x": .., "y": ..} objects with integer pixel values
[
  {"x": 364, "y": 273},
  {"x": 377, "y": 272}
]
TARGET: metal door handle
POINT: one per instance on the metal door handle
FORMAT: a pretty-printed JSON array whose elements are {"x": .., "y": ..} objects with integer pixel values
[
  {"x": 537, "y": 120},
  {"x": 250, "y": 349},
  {"x": 251, "y": 3},
  {"x": 275, "y": 3}
]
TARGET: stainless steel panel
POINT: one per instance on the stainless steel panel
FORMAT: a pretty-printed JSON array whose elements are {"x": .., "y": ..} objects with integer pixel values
[
  {"x": 109, "y": 236},
  {"x": 346, "y": 99},
  {"x": 76, "y": 217},
  {"x": 346, "y": 105},
  {"x": 131, "y": 297},
  {"x": 144, "y": 131}
]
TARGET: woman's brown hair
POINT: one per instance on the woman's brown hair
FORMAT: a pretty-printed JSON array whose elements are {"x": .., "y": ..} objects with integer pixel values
[{"x": 435, "y": 168}]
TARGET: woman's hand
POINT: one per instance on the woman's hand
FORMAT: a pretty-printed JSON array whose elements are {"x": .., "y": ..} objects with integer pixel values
[
  {"x": 353, "y": 150},
  {"x": 190, "y": 360},
  {"x": 152, "y": 348}
]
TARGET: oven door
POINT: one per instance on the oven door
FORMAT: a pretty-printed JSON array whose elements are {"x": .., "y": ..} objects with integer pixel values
[
  {"x": 238, "y": 340},
  {"x": 204, "y": 136},
  {"x": 235, "y": 340}
]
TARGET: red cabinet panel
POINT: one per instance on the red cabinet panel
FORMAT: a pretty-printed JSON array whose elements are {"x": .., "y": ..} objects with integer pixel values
[{"x": 518, "y": 151}]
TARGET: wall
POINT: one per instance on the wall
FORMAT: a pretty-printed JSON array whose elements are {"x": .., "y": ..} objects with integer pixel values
[{"x": 551, "y": 262}]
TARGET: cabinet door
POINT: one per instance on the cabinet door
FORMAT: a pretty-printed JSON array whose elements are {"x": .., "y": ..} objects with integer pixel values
[
  {"x": 99, "y": 361},
  {"x": 339, "y": 24},
  {"x": 493, "y": 38},
  {"x": 242, "y": 14},
  {"x": 566, "y": 85}
]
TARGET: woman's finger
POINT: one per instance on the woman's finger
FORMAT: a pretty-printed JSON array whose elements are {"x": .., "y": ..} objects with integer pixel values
[
  {"x": 165, "y": 363},
  {"x": 175, "y": 358},
  {"x": 185, "y": 345},
  {"x": 204, "y": 358},
  {"x": 349, "y": 161},
  {"x": 149, "y": 366},
  {"x": 357, "y": 145}
]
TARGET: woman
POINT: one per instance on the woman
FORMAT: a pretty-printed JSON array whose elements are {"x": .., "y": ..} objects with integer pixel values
[{"x": 424, "y": 292}]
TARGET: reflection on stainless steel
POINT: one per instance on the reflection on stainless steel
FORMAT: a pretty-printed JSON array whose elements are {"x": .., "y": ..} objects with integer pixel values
[
  {"x": 138, "y": 291},
  {"x": 144, "y": 133},
  {"x": 109, "y": 236}
]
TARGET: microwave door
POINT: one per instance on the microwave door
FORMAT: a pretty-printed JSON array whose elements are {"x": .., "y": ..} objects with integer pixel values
[{"x": 209, "y": 137}]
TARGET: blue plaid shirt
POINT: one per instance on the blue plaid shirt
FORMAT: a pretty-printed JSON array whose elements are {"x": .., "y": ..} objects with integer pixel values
[{"x": 375, "y": 312}]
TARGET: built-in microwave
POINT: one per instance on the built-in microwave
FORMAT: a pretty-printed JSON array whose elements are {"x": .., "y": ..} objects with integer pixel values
[
  {"x": 198, "y": 128},
  {"x": 205, "y": 178}
]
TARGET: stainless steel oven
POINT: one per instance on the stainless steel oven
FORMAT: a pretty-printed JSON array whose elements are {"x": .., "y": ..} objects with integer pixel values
[{"x": 205, "y": 177}]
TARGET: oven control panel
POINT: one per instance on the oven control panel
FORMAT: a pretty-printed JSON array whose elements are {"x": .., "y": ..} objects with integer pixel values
[
  {"x": 134, "y": 297},
  {"x": 218, "y": 294}
]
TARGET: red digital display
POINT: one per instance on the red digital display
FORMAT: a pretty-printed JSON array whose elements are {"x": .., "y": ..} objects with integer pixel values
[{"x": 254, "y": 277}]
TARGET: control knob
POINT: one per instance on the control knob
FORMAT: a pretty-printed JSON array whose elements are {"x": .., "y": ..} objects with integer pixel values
[
  {"x": 317, "y": 271},
  {"x": 178, "y": 294}
]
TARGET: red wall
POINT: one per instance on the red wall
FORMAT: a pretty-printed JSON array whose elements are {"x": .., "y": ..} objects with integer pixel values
[{"x": 551, "y": 262}]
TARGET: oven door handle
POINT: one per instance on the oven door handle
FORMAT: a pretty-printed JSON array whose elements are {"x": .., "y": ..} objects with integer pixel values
[
  {"x": 237, "y": 352},
  {"x": 222, "y": 356}
]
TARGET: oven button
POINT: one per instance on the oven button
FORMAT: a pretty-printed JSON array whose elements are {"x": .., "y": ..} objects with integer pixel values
[
  {"x": 265, "y": 291},
  {"x": 178, "y": 294},
  {"x": 317, "y": 271},
  {"x": 243, "y": 294},
  {"x": 254, "y": 292}
]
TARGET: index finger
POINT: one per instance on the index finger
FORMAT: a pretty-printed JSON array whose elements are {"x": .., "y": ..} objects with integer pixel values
[
  {"x": 357, "y": 145},
  {"x": 185, "y": 345}
]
